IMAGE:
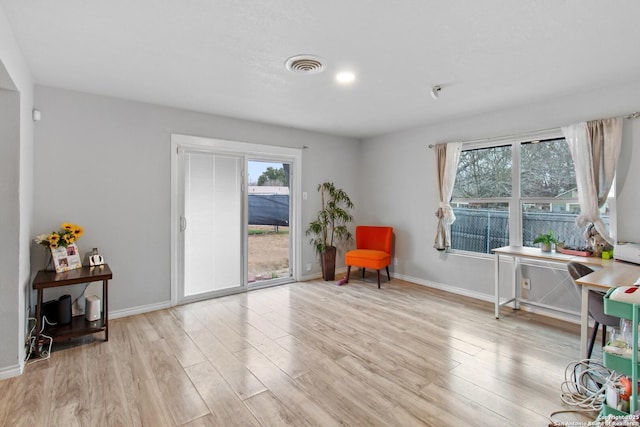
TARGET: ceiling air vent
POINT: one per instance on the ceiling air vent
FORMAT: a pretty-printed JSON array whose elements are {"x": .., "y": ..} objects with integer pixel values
[{"x": 304, "y": 64}]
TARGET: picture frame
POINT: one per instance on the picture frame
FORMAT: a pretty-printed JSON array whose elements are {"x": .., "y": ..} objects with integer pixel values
[{"x": 66, "y": 258}]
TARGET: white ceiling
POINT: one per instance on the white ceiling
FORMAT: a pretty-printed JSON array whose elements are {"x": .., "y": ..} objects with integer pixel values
[{"x": 227, "y": 57}]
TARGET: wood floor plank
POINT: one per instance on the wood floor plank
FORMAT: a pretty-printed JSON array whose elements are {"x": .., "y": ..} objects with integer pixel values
[
  {"x": 211, "y": 318},
  {"x": 289, "y": 363},
  {"x": 273, "y": 413},
  {"x": 469, "y": 394},
  {"x": 179, "y": 395},
  {"x": 70, "y": 415},
  {"x": 337, "y": 398},
  {"x": 264, "y": 301},
  {"x": 312, "y": 336},
  {"x": 205, "y": 421},
  {"x": 239, "y": 378},
  {"x": 106, "y": 392},
  {"x": 71, "y": 380},
  {"x": 265, "y": 326},
  {"x": 304, "y": 407},
  {"x": 144, "y": 329},
  {"x": 408, "y": 406},
  {"x": 147, "y": 406},
  {"x": 225, "y": 407},
  {"x": 134, "y": 364},
  {"x": 142, "y": 395},
  {"x": 306, "y": 354},
  {"x": 120, "y": 338},
  {"x": 185, "y": 318},
  {"x": 26, "y": 401},
  {"x": 180, "y": 344},
  {"x": 504, "y": 379}
]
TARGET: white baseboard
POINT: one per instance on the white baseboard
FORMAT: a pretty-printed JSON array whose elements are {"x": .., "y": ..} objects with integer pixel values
[
  {"x": 318, "y": 275},
  {"x": 308, "y": 277},
  {"x": 11, "y": 371},
  {"x": 446, "y": 288},
  {"x": 139, "y": 310},
  {"x": 489, "y": 298}
]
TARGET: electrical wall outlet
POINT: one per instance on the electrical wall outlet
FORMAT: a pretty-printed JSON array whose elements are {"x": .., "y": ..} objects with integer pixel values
[
  {"x": 526, "y": 284},
  {"x": 309, "y": 266},
  {"x": 77, "y": 308},
  {"x": 395, "y": 261}
]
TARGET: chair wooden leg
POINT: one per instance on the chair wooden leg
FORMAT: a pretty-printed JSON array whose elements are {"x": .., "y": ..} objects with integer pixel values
[
  {"x": 378, "y": 279},
  {"x": 348, "y": 273},
  {"x": 596, "y": 325},
  {"x": 388, "y": 276},
  {"x": 363, "y": 272}
]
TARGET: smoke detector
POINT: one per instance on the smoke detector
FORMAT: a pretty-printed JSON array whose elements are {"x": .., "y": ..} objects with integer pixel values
[
  {"x": 435, "y": 91},
  {"x": 304, "y": 64}
]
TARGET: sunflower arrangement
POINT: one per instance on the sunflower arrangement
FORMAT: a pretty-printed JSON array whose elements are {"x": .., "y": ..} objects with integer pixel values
[{"x": 68, "y": 234}]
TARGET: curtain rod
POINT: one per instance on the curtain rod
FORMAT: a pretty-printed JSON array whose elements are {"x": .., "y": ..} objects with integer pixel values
[{"x": 633, "y": 115}]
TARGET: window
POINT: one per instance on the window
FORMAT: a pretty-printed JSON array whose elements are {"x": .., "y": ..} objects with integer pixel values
[{"x": 511, "y": 191}]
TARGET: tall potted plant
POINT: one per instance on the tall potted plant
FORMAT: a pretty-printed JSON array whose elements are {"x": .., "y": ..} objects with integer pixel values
[{"x": 330, "y": 226}]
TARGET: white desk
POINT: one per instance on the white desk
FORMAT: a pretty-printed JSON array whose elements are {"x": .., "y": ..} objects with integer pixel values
[{"x": 519, "y": 252}]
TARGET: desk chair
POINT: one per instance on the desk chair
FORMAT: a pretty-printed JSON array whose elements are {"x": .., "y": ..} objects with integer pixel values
[
  {"x": 373, "y": 250},
  {"x": 596, "y": 306}
]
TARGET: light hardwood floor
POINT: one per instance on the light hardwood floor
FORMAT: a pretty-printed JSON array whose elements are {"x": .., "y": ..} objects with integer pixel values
[{"x": 306, "y": 354}]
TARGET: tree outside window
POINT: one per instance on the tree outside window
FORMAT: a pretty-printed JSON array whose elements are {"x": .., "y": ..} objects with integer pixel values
[{"x": 273, "y": 177}]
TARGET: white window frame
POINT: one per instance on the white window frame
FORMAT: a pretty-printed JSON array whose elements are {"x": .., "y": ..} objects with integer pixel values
[{"x": 515, "y": 201}]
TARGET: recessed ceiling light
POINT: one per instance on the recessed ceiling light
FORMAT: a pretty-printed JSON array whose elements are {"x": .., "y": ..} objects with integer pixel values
[{"x": 345, "y": 77}]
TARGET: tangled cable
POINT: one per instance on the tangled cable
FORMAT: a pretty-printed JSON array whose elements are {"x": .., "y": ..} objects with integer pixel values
[
  {"x": 586, "y": 383},
  {"x": 32, "y": 342}
]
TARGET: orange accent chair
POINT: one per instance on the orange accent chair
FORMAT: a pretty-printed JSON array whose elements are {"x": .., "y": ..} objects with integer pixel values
[{"x": 373, "y": 250}]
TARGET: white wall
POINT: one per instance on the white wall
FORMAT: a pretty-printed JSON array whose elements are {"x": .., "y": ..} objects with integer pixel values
[
  {"x": 16, "y": 189},
  {"x": 401, "y": 169},
  {"x": 104, "y": 163}
]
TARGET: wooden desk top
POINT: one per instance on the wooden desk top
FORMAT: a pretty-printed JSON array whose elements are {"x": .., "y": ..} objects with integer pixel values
[
  {"x": 553, "y": 256},
  {"x": 50, "y": 279},
  {"x": 617, "y": 273}
]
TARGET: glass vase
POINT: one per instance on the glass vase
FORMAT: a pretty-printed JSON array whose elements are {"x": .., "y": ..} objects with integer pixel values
[{"x": 48, "y": 261}]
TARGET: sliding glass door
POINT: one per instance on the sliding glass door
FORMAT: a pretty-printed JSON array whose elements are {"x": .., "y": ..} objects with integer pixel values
[{"x": 235, "y": 217}]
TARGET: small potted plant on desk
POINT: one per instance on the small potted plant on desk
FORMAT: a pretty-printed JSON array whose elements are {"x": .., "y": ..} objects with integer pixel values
[{"x": 546, "y": 240}]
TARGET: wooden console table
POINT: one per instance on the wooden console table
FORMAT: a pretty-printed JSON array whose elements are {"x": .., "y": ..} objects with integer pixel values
[{"x": 79, "y": 326}]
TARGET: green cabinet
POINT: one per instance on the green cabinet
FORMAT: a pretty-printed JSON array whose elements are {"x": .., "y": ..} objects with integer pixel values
[{"x": 623, "y": 365}]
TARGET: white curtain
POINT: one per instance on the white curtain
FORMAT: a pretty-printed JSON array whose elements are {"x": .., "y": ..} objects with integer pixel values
[
  {"x": 447, "y": 156},
  {"x": 595, "y": 148}
]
